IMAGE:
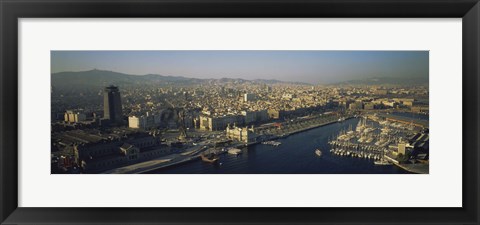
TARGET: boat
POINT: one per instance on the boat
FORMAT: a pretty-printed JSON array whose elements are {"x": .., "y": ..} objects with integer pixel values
[
  {"x": 234, "y": 151},
  {"x": 318, "y": 152},
  {"x": 210, "y": 158},
  {"x": 382, "y": 162},
  {"x": 273, "y": 143}
]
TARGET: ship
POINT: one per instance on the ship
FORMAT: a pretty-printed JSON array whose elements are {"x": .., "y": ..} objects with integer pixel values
[
  {"x": 210, "y": 158},
  {"x": 318, "y": 152}
]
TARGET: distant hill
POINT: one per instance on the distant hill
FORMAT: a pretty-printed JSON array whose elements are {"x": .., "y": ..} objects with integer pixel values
[
  {"x": 386, "y": 81},
  {"x": 101, "y": 78},
  {"x": 104, "y": 78}
]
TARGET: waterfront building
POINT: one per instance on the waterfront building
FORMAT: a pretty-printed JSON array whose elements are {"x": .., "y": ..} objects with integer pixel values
[
  {"x": 255, "y": 116},
  {"x": 357, "y": 105},
  {"x": 219, "y": 122},
  {"x": 275, "y": 114},
  {"x": 342, "y": 104},
  {"x": 112, "y": 104},
  {"x": 245, "y": 134}
]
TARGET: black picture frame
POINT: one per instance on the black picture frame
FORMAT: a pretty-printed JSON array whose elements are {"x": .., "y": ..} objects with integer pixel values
[{"x": 12, "y": 10}]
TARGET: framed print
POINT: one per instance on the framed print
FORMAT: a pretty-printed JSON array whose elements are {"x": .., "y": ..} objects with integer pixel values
[{"x": 239, "y": 112}]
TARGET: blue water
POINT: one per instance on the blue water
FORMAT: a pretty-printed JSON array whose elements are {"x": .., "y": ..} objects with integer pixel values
[
  {"x": 296, "y": 155},
  {"x": 411, "y": 115}
]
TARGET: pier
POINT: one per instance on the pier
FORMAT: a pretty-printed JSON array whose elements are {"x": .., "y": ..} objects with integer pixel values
[{"x": 405, "y": 120}]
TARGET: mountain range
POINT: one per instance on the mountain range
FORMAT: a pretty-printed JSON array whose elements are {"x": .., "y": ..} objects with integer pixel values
[
  {"x": 386, "y": 81},
  {"x": 101, "y": 78}
]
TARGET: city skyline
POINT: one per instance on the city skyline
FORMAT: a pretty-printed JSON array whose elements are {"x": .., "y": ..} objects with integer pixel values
[
  {"x": 120, "y": 123},
  {"x": 314, "y": 67}
]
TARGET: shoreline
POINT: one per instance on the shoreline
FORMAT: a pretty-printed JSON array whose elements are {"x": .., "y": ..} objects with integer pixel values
[
  {"x": 418, "y": 168},
  {"x": 414, "y": 168}
]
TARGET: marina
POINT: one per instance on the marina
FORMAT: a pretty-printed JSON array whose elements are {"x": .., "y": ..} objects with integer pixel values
[{"x": 374, "y": 137}]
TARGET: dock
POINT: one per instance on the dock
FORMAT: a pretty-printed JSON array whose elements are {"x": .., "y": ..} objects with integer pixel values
[{"x": 405, "y": 120}]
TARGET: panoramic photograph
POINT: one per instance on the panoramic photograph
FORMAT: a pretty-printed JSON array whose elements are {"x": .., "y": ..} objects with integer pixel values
[{"x": 239, "y": 112}]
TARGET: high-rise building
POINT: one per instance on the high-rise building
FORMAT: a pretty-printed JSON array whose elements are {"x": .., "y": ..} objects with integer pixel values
[{"x": 112, "y": 104}]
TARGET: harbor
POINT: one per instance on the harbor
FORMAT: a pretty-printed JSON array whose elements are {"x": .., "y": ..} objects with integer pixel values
[
  {"x": 209, "y": 152},
  {"x": 124, "y": 123},
  {"x": 360, "y": 144},
  {"x": 295, "y": 154}
]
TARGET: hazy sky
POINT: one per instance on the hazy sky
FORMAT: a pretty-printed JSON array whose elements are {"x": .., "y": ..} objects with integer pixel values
[{"x": 315, "y": 67}]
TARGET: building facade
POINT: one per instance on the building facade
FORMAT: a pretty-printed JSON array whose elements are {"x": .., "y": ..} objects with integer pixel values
[
  {"x": 145, "y": 122},
  {"x": 255, "y": 116},
  {"x": 220, "y": 122},
  {"x": 245, "y": 134}
]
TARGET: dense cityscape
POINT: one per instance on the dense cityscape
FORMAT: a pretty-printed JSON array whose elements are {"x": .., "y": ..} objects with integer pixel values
[{"x": 144, "y": 128}]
